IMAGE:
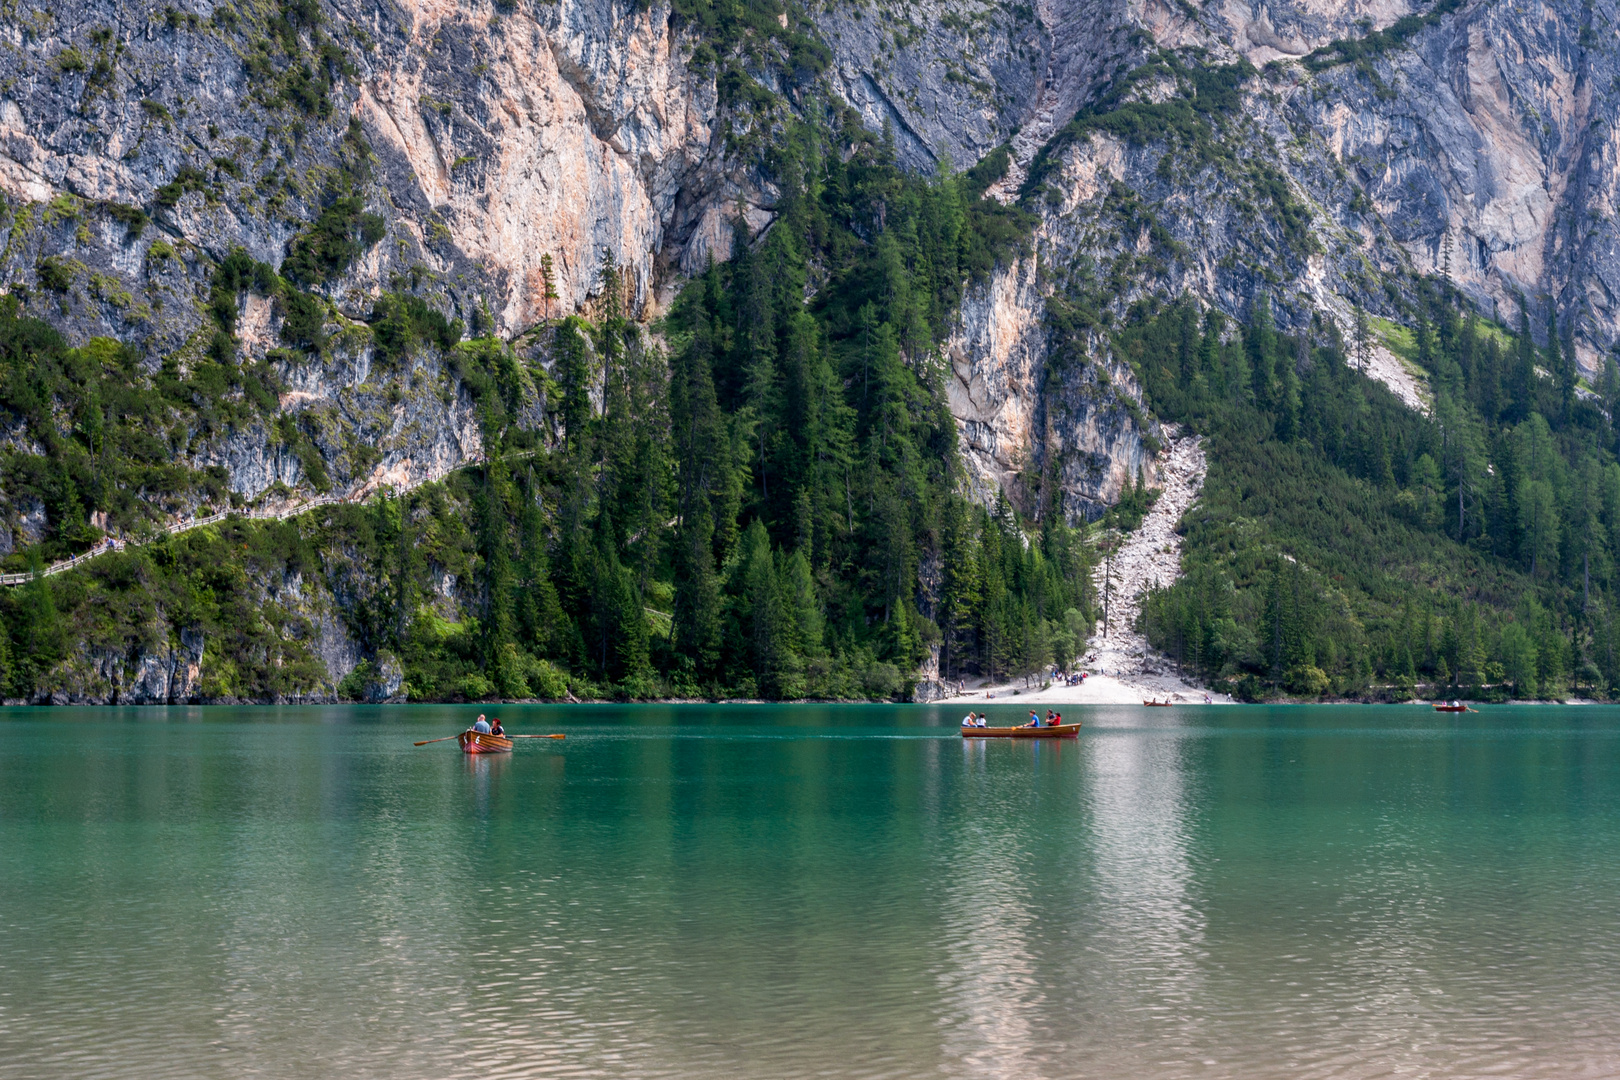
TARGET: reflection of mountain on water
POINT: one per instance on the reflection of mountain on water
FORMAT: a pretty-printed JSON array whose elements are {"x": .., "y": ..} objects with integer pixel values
[
  {"x": 1143, "y": 968},
  {"x": 1071, "y": 938},
  {"x": 989, "y": 977},
  {"x": 1323, "y": 892}
]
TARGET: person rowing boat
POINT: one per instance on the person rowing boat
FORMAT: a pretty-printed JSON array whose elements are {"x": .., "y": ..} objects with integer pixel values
[
  {"x": 481, "y": 738},
  {"x": 1040, "y": 729}
]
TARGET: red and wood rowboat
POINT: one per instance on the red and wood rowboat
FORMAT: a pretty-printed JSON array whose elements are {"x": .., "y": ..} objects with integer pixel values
[
  {"x": 473, "y": 742},
  {"x": 1062, "y": 731},
  {"x": 1452, "y": 708}
]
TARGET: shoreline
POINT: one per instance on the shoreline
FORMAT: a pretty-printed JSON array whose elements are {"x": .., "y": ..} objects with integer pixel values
[{"x": 1096, "y": 690}]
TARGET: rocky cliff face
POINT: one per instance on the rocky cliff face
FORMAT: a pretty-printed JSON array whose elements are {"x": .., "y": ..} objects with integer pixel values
[
  {"x": 1025, "y": 413},
  {"x": 1475, "y": 141},
  {"x": 514, "y": 151},
  {"x": 508, "y": 145}
]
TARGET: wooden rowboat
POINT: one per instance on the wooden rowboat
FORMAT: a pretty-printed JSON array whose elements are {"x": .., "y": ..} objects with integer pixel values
[
  {"x": 473, "y": 742},
  {"x": 1452, "y": 708},
  {"x": 1062, "y": 731},
  {"x": 1158, "y": 704}
]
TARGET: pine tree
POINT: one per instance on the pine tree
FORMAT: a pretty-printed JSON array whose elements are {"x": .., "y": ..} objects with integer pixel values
[
  {"x": 498, "y": 624},
  {"x": 618, "y": 639},
  {"x": 1209, "y": 349},
  {"x": 1362, "y": 328},
  {"x": 963, "y": 593},
  {"x": 1287, "y": 391},
  {"x": 1257, "y": 347},
  {"x": 798, "y": 588},
  {"x": 1276, "y": 623},
  {"x": 697, "y": 616},
  {"x": 574, "y": 376},
  {"x": 1522, "y": 397},
  {"x": 538, "y": 611},
  {"x": 548, "y": 281},
  {"x": 41, "y": 632}
]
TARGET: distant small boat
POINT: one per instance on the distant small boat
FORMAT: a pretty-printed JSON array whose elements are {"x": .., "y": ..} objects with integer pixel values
[
  {"x": 1062, "y": 731},
  {"x": 1451, "y": 708},
  {"x": 1158, "y": 704},
  {"x": 475, "y": 742}
]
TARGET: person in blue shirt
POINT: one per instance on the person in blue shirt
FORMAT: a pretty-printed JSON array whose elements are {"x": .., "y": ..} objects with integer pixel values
[
  {"x": 1034, "y": 719},
  {"x": 481, "y": 726}
]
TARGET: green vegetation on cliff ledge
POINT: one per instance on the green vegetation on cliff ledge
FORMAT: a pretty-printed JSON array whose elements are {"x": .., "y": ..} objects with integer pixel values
[
  {"x": 1347, "y": 544},
  {"x": 771, "y": 507},
  {"x": 1361, "y": 52},
  {"x": 1204, "y": 96}
]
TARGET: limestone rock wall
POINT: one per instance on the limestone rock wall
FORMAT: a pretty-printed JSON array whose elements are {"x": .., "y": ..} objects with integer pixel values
[
  {"x": 1483, "y": 148},
  {"x": 1023, "y": 413},
  {"x": 502, "y": 142}
]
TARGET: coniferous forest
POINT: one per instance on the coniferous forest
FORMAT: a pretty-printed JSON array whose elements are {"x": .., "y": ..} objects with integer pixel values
[
  {"x": 1346, "y": 544},
  {"x": 760, "y": 494},
  {"x": 762, "y": 497}
]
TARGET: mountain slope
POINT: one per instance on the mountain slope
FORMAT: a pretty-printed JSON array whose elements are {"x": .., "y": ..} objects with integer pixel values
[{"x": 268, "y": 234}]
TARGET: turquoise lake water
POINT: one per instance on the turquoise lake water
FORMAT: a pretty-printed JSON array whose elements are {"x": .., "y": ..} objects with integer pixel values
[{"x": 810, "y": 891}]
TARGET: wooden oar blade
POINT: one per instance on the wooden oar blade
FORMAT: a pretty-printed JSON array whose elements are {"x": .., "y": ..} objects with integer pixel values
[{"x": 447, "y": 738}]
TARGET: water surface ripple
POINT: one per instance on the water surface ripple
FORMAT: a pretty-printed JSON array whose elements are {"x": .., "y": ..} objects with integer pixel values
[{"x": 810, "y": 891}]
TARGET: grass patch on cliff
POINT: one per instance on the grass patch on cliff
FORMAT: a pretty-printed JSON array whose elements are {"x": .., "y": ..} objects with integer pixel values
[
  {"x": 1398, "y": 339},
  {"x": 1361, "y": 51},
  {"x": 1204, "y": 94}
]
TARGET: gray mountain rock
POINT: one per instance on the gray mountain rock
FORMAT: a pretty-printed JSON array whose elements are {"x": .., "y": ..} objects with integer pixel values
[{"x": 514, "y": 150}]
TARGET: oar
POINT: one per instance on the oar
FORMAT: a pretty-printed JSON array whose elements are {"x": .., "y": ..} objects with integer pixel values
[
  {"x": 447, "y": 738},
  {"x": 537, "y": 736}
]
